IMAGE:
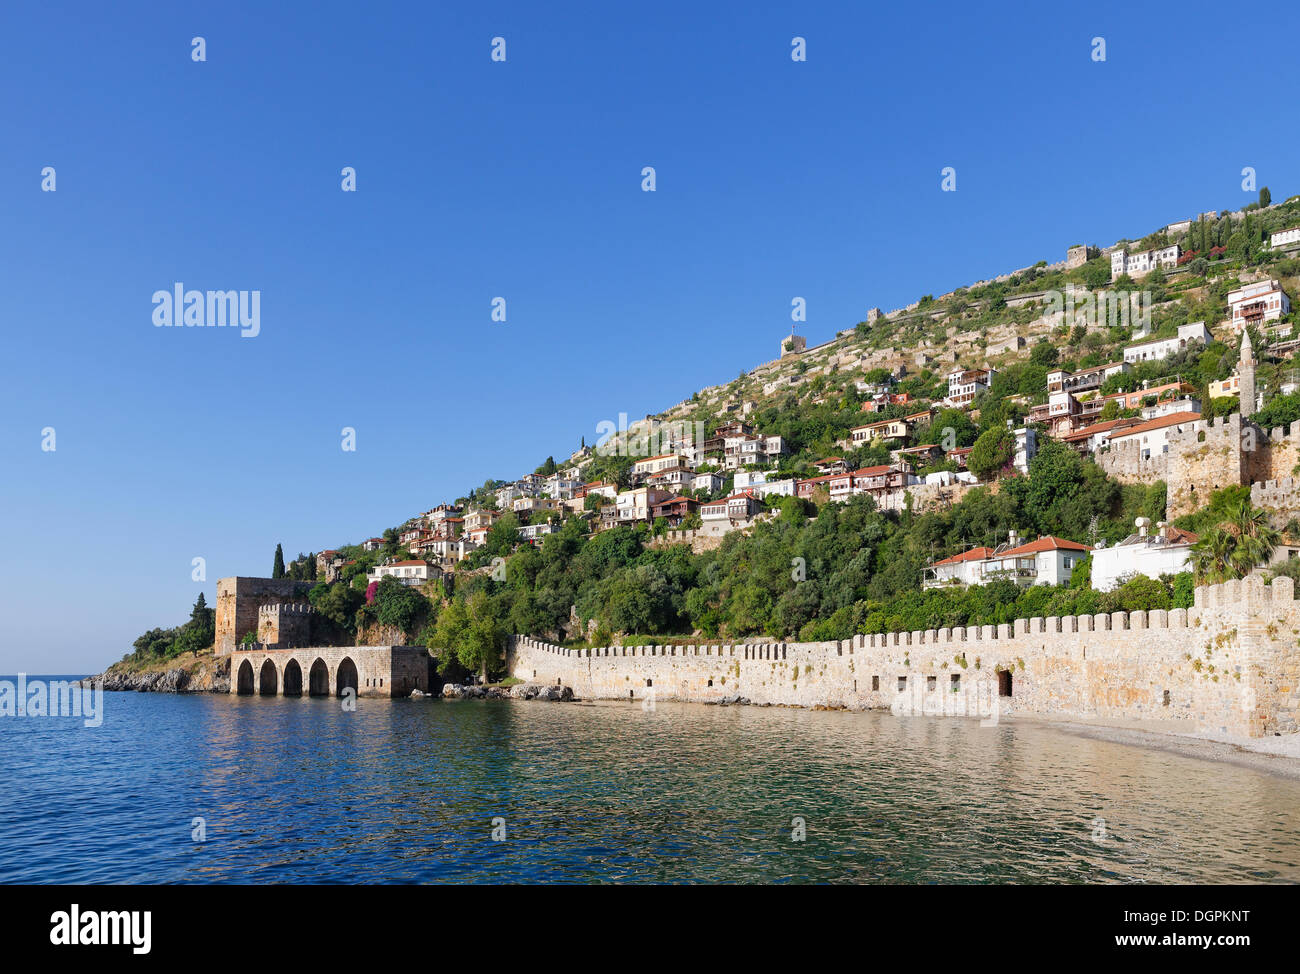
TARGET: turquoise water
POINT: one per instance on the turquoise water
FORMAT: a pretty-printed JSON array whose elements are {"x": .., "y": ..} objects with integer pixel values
[{"x": 300, "y": 790}]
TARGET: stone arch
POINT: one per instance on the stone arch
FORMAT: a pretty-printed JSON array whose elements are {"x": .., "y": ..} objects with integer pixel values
[
  {"x": 318, "y": 679},
  {"x": 292, "y": 679},
  {"x": 346, "y": 676},
  {"x": 268, "y": 679},
  {"x": 244, "y": 681}
]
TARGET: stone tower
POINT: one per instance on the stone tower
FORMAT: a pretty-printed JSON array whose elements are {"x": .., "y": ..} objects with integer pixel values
[{"x": 1246, "y": 375}]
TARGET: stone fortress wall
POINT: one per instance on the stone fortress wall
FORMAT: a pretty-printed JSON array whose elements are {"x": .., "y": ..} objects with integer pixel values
[
  {"x": 326, "y": 671},
  {"x": 239, "y": 600},
  {"x": 1205, "y": 455},
  {"x": 1230, "y": 664},
  {"x": 284, "y": 624}
]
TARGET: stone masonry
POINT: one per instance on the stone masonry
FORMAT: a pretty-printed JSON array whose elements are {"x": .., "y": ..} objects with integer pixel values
[
  {"x": 1230, "y": 664},
  {"x": 1203, "y": 456},
  {"x": 326, "y": 671},
  {"x": 284, "y": 624},
  {"x": 238, "y": 602}
]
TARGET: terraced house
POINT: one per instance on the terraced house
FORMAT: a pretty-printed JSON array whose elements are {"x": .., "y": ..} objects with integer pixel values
[{"x": 1049, "y": 560}]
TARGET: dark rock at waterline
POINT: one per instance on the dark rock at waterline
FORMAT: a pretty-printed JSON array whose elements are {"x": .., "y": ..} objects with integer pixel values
[
  {"x": 735, "y": 700},
  {"x": 522, "y": 691}
]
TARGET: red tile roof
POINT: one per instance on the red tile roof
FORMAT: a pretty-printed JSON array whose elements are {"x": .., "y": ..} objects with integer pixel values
[
  {"x": 1046, "y": 543},
  {"x": 1173, "y": 419},
  {"x": 975, "y": 554},
  {"x": 1095, "y": 428}
]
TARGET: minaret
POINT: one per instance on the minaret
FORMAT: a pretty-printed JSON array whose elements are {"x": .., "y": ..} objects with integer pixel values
[{"x": 1246, "y": 375}]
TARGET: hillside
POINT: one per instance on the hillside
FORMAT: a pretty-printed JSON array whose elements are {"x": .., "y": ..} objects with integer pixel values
[{"x": 582, "y": 552}]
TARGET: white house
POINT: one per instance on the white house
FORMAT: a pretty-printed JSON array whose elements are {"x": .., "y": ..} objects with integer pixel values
[
  {"x": 1047, "y": 561},
  {"x": 1160, "y": 348},
  {"x": 406, "y": 572},
  {"x": 652, "y": 465},
  {"x": 710, "y": 483},
  {"x": 1026, "y": 448},
  {"x": 1144, "y": 262},
  {"x": 778, "y": 488},
  {"x": 675, "y": 477},
  {"x": 965, "y": 384},
  {"x": 1167, "y": 551},
  {"x": 1285, "y": 238},
  {"x": 1257, "y": 303},
  {"x": 720, "y": 516},
  {"x": 959, "y": 570},
  {"x": 534, "y": 532},
  {"x": 749, "y": 478}
]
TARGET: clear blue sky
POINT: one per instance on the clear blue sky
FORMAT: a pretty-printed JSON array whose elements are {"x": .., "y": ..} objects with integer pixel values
[{"x": 519, "y": 179}]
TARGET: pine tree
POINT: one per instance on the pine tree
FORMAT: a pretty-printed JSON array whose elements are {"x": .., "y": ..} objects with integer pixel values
[{"x": 277, "y": 570}]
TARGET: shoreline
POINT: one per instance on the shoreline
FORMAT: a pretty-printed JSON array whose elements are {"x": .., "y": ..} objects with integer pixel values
[{"x": 1277, "y": 756}]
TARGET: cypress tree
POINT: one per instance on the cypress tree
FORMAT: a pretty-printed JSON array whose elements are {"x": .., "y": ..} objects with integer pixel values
[{"x": 277, "y": 570}]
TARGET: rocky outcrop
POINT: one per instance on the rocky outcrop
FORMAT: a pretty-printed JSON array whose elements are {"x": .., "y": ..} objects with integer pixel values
[
  {"x": 204, "y": 674},
  {"x": 521, "y": 691},
  {"x": 736, "y": 700}
]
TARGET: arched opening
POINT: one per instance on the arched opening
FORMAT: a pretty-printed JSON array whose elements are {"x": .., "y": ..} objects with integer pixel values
[
  {"x": 292, "y": 679},
  {"x": 318, "y": 679},
  {"x": 244, "y": 682},
  {"x": 347, "y": 676},
  {"x": 1004, "y": 683},
  {"x": 268, "y": 681}
]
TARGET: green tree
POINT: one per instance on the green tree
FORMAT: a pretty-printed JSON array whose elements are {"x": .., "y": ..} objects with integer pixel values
[
  {"x": 992, "y": 451},
  {"x": 1265, "y": 197},
  {"x": 277, "y": 569},
  {"x": 399, "y": 605},
  {"x": 1234, "y": 547},
  {"x": 471, "y": 630}
]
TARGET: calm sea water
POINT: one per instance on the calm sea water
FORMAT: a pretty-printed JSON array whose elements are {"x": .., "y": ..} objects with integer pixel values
[{"x": 301, "y": 791}]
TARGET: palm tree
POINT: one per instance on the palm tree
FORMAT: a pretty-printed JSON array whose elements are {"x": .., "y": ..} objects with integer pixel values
[
  {"x": 1256, "y": 538},
  {"x": 1211, "y": 556},
  {"x": 1235, "y": 546}
]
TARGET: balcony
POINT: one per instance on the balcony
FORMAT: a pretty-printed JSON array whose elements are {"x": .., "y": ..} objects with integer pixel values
[{"x": 1253, "y": 312}]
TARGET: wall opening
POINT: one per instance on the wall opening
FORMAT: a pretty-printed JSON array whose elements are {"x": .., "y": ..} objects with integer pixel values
[
  {"x": 649, "y": 683},
  {"x": 931, "y": 683},
  {"x": 1166, "y": 699},
  {"x": 902, "y": 683},
  {"x": 292, "y": 679},
  {"x": 875, "y": 682},
  {"x": 347, "y": 676},
  {"x": 268, "y": 680},
  {"x": 1004, "y": 683},
  {"x": 318, "y": 679},
  {"x": 244, "y": 683}
]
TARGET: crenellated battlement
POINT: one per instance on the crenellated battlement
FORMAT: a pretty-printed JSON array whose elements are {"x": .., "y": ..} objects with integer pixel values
[
  {"x": 277, "y": 609},
  {"x": 1227, "y": 665},
  {"x": 282, "y": 624}
]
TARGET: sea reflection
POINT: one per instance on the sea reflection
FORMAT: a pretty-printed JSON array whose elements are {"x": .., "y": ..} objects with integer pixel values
[{"x": 300, "y": 790}]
